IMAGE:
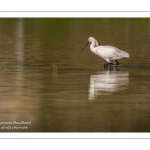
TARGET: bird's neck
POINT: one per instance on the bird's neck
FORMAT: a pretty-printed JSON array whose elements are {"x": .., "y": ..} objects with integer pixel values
[{"x": 92, "y": 46}]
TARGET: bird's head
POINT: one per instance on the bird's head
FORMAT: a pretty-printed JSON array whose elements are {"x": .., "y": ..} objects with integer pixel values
[{"x": 90, "y": 40}]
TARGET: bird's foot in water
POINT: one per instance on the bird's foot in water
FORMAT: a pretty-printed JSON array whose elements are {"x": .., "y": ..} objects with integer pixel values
[
  {"x": 111, "y": 66},
  {"x": 108, "y": 65}
]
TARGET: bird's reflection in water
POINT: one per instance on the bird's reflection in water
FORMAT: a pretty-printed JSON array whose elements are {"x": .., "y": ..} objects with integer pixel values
[{"x": 107, "y": 82}]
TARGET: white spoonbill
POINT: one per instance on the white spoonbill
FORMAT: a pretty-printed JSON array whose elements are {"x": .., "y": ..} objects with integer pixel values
[{"x": 106, "y": 52}]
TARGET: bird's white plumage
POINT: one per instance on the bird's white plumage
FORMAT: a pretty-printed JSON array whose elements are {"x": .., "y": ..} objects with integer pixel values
[{"x": 107, "y": 52}]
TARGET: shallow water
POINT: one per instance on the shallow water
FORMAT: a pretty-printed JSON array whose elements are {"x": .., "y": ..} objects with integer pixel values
[{"x": 46, "y": 83}]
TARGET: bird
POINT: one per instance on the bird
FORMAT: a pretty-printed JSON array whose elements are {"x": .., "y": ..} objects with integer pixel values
[{"x": 106, "y": 52}]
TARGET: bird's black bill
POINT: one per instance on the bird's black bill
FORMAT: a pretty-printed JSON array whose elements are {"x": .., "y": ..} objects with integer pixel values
[{"x": 84, "y": 47}]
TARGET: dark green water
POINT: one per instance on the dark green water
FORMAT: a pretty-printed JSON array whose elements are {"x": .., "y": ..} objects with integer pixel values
[{"x": 45, "y": 81}]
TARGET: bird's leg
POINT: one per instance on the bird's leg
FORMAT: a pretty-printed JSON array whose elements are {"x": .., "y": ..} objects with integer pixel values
[
  {"x": 117, "y": 63},
  {"x": 108, "y": 63},
  {"x": 105, "y": 65}
]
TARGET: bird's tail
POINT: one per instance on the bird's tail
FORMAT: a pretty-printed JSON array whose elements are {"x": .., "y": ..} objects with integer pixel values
[{"x": 125, "y": 54}]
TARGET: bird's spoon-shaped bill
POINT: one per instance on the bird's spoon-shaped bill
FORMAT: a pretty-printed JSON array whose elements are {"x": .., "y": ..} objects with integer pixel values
[{"x": 84, "y": 47}]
